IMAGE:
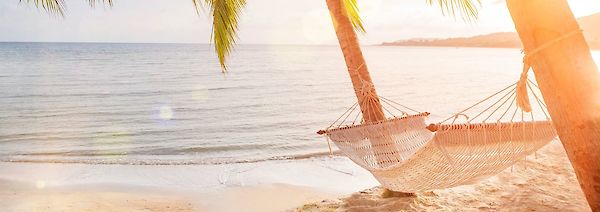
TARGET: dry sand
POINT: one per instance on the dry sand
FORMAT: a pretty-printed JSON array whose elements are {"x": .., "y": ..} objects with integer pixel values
[
  {"x": 268, "y": 186},
  {"x": 18, "y": 196},
  {"x": 545, "y": 183},
  {"x": 274, "y": 197}
]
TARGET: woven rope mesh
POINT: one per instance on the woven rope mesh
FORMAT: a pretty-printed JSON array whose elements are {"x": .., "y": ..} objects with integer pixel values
[
  {"x": 457, "y": 154},
  {"x": 390, "y": 142}
]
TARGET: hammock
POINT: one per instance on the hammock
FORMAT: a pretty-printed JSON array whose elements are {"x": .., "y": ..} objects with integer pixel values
[{"x": 404, "y": 154}]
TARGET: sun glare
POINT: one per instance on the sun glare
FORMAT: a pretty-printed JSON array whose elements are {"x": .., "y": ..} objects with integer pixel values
[
  {"x": 266, "y": 105},
  {"x": 584, "y": 7},
  {"x": 317, "y": 27}
]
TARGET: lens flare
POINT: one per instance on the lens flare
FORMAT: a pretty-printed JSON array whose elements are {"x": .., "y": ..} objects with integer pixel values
[
  {"x": 165, "y": 113},
  {"x": 40, "y": 184},
  {"x": 200, "y": 94}
]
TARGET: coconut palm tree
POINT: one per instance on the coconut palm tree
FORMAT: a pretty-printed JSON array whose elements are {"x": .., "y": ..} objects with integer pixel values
[
  {"x": 566, "y": 73},
  {"x": 346, "y": 21},
  {"x": 569, "y": 81}
]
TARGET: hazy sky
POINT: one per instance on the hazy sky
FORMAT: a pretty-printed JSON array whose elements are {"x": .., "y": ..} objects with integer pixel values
[{"x": 264, "y": 21}]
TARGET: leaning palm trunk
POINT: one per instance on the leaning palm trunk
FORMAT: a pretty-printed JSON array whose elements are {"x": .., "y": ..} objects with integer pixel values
[
  {"x": 569, "y": 81},
  {"x": 368, "y": 100},
  {"x": 357, "y": 68}
]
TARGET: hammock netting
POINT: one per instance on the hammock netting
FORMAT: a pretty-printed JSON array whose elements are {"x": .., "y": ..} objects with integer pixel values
[{"x": 405, "y": 154}]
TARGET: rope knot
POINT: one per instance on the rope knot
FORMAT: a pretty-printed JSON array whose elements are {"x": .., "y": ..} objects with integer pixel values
[{"x": 522, "y": 94}]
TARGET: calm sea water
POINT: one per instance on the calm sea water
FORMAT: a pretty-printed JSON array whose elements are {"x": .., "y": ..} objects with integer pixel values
[{"x": 170, "y": 104}]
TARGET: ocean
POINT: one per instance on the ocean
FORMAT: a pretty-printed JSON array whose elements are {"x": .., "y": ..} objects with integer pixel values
[{"x": 101, "y": 103}]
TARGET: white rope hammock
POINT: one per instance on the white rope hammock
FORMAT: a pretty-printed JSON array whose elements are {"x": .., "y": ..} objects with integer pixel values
[{"x": 404, "y": 154}]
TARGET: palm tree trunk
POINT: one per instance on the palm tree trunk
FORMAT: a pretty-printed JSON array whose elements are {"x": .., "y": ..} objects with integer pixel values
[
  {"x": 368, "y": 99},
  {"x": 357, "y": 68},
  {"x": 569, "y": 81}
]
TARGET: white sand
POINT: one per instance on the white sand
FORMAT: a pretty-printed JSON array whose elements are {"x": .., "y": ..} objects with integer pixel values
[
  {"x": 547, "y": 183},
  {"x": 18, "y": 196},
  {"x": 543, "y": 184},
  {"x": 275, "y": 197},
  {"x": 264, "y": 186}
]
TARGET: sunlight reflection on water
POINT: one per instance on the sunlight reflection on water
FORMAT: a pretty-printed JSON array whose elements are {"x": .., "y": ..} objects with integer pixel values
[
  {"x": 166, "y": 113},
  {"x": 124, "y": 102}
]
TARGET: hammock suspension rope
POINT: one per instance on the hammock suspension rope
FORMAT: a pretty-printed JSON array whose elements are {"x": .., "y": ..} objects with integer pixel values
[{"x": 416, "y": 156}]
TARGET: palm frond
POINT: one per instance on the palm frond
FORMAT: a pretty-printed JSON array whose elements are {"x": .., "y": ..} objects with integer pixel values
[
  {"x": 226, "y": 16},
  {"x": 58, "y": 7},
  {"x": 105, "y": 2},
  {"x": 467, "y": 9},
  {"x": 351, "y": 8}
]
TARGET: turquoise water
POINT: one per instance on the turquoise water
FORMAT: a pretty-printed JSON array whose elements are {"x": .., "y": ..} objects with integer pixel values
[{"x": 170, "y": 104}]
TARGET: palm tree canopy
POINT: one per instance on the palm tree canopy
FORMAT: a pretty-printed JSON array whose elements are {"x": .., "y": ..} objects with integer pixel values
[{"x": 226, "y": 16}]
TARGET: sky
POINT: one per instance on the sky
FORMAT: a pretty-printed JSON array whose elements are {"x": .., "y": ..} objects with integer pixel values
[{"x": 263, "y": 21}]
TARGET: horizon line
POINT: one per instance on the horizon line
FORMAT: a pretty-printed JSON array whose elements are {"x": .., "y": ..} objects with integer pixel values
[{"x": 118, "y": 42}]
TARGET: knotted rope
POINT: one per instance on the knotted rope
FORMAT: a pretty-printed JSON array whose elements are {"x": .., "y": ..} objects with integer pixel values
[
  {"x": 370, "y": 100},
  {"x": 517, "y": 92},
  {"x": 391, "y": 110},
  {"x": 522, "y": 95}
]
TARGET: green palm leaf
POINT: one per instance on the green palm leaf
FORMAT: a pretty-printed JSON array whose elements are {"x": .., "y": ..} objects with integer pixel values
[
  {"x": 467, "y": 9},
  {"x": 51, "y": 6},
  {"x": 105, "y": 2},
  {"x": 352, "y": 11},
  {"x": 58, "y": 6},
  {"x": 226, "y": 16}
]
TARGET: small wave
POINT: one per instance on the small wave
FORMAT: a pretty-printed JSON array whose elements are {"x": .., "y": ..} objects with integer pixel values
[
  {"x": 149, "y": 162},
  {"x": 89, "y": 153},
  {"x": 231, "y": 88},
  {"x": 200, "y": 149}
]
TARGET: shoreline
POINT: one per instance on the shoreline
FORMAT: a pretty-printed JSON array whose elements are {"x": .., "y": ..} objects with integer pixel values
[
  {"x": 175, "y": 162},
  {"x": 313, "y": 184},
  {"x": 261, "y": 186}
]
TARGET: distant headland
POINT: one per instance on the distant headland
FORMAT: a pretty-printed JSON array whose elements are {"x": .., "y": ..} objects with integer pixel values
[{"x": 589, "y": 24}]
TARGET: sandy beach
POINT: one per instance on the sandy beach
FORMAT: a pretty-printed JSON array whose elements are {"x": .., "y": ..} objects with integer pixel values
[
  {"x": 149, "y": 105},
  {"x": 264, "y": 186},
  {"x": 545, "y": 183},
  {"x": 21, "y": 196}
]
